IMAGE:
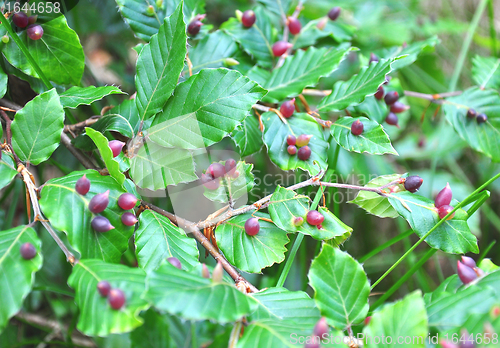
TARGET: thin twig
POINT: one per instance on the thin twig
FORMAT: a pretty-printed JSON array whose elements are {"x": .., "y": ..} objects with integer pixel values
[
  {"x": 77, "y": 153},
  {"x": 37, "y": 320},
  {"x": 10, "y": 104},
  {"x": 317, "y": 92},
  {"x": 433, "y": 98},
  {"x": 8, "y": 136},
  {"x": 81, "y": 125}
]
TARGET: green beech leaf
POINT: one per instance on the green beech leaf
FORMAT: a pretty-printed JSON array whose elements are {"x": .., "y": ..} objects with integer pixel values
[
  {"x": 204, "y": 109},
  {"x": 76, "y": 96},
  {"x": 486, "y": 71},
  {"x": 128, "y": 110},
  {"x": 282, "y": 304},
  {"x": 58, "y": 197},
  {"x": 257, "y": 41},
  {"x": 159, "y": 65},
  {"x": 195, "y": 298},
  {"x": 354, "y": 91},
  {"x": 159, "y": 331},
  {"x": 453, "y": 236},
  {"x": 233, "y": 188},
  {"x": 251, "y": 253},
  {"x": 410, "y": 53},
  {"x": 97, "y": 318},
  {"x": 37, "y": 128},
  {"x": 108, "y": 122},
  {"x": 485, "y": 137},
  {"x": 373, "y": 140},
  {"x": 8, "y": 170},
  {"x": 107, "y": 155},
  {"x": 58, "y": 53},
  {"x": 311, "y": 34},
  {"x": 157, "y": 238},
  {"x": 212, "y": 50},
  {"x": 374, "y": 203},
  {"x": 448, "y": 310},
  {"x": 248, "y": 137},
  {"x": 374, "y": 109},
  {"x": 279, "y": 7},
  {"x": 275, "y": 133},
  {"x": 17, "y": 273},
  {"x": 405, "y": 318},
  {"x": 143, "y": 25},
  {"x": 154, "y": 167},
  {"x": 303, "y": 69},
  {"x": 341, "y": 287},
  {"x": 274, "y": 333},
  {"x": 285, "y": 205},
  {"x": 4, "y": 78}
]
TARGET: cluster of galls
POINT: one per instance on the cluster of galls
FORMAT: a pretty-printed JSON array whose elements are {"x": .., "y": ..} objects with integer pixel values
[
  {"x": 391, "y": 99},
  {"x": 279, "y": 48},
  {"x": 467, "y": 270},
  {"x": 301, "y": 142},
  {"x": 442, "y": 202},
  {"x": 480, "y": 118},
  {"x": 99, "y": 202},
  {"x": 211, "y": 178},
  {"x": 21, "y": 20},
  {"x": 116, "y": 297},
  {"x": 313, "y": 217}
]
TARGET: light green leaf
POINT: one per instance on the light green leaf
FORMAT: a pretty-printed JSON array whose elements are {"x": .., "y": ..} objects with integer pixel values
[
  {"x": 303, "y": 69},
  {"x": 403, "y": 319},
  {"x": 411, "y": 52},
  {"x": 341, "y": 288},
  {"x": 311, "y": 34},
  {"x": 60, "y": 192},
  {"x": 154, "y": 167},
  {"x": 285, "y": 205},
  {"x": 107, "y": 155},
  {"x": 373, "y": 140},
  {"x": 76, "y": 96},
  {"x": 17, "y": 273},
  {"x": 37, "y": 128},
  {"x": 485, "y": 137},
  {"x": 354, "y": 91},
  {"x": 374, "y": 203},
  {"x": 276, "y": 132},
  {"x": 159, "y": 65},
  {"x": 279, "y": 7},
  {"x": 204, "y": 109},
  {"x": 453, "y": 236},
  {"x": 157, "y": 238},
  {"x": 8, "y": 170},
  {"x": 97, "y": 318},
  {"x": 212, "y": 50},
  {"x": 58, "y": 53},
  {"x": 486, "y": 71},
  {"x": 195, "y": 298},
  {"x": 251, "y": 253},
  {"x": 248, "y": 137}
]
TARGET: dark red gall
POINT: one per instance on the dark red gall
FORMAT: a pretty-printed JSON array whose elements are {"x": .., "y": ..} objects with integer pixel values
[
  {"x": 391, "y": 97},
  {"x": 380, "y": 93},
  {"x": 101, "y": 224},
  {"x": 248, "y": 18},
  {"x": 314, "y": 218},
  {"x": 127, "y": 201},
  {"x": 99, "y": 202},
  {"x": 413, "y": 183},
  {"x": 35, "y": 32},
  {"x": 116, "y": 298},
  {"x": 465, "y": 273},
  {"x": 20, "y": 19},
  {"x": 280, "y": 47},
  {"x": 252, "y": 226},
  {"x": 129, "y": 219},
  {"x": 444, "y": 196},
  {"x": 28, "y": 251},
  {"x": 292, "y": 150},
  {"x": 82, "y": 185},
  {"x": 194, "y": 27},
  {"x": 291, "y": 139},
  {"x": 116, "y": 147},
  {"x": 294, "y": 25},
  {"x": 392, "y": 119},
  {"x": 357, "y": 127},
  {"x": 304, "y": 153},
  {"x": 334, "y": 13},
  {"x": 103, "y": 287}
]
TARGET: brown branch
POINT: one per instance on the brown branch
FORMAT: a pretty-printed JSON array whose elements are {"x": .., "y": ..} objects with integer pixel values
[
  {"x": 77, "y": 153},
  {"x": 10, "y": 105},
  {"x": 433, "y": 98},
  {"x": 81, "y": 125},
  {"x": 37, "y": 320},
  {"x": 8, "y": 136},
  {"x": 317, "y": 92}
]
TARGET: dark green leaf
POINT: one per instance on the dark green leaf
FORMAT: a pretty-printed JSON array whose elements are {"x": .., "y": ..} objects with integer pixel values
[
  {"x": 128, "y": 110},
  {"x": 354, "y": 91},
  {"x": 248, "y": 137},
  {"x": 304, "y": 69},
  {"x": 484, "y": 137},
  {"x": 107, "y": 155},
  {"x": 404, "y": 318},
  {"x": 373, "y": 140},
  {"x": 204, "y": 109},
  {"x": 453, "y": 236},
  {"x": 37, "y": 128},
  {"x": 257, "y": 40},
  {"x": 195, "y": 298},
  {"x": 341, "y": 288},
  {"x": 159, "y": 65},
  {"x": 60, "y": 192},
  {"x": 76, "y": 96},
  {"x": 411, "y": 51},
  {"x": 97, "y": 318},
  {"x": 251, "y": 253},
  {"x": 17, "y": 273},
  {"x": 311, "y": 34},
  {"x": 58, "y": 53},
  {"x": 279, "y": 7},
  {"x": 275, "y": 134},
  {"x": 212, "y": 50},
  {"x": 157, "y": 238},
  {"x": 3, "y": 83}
]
